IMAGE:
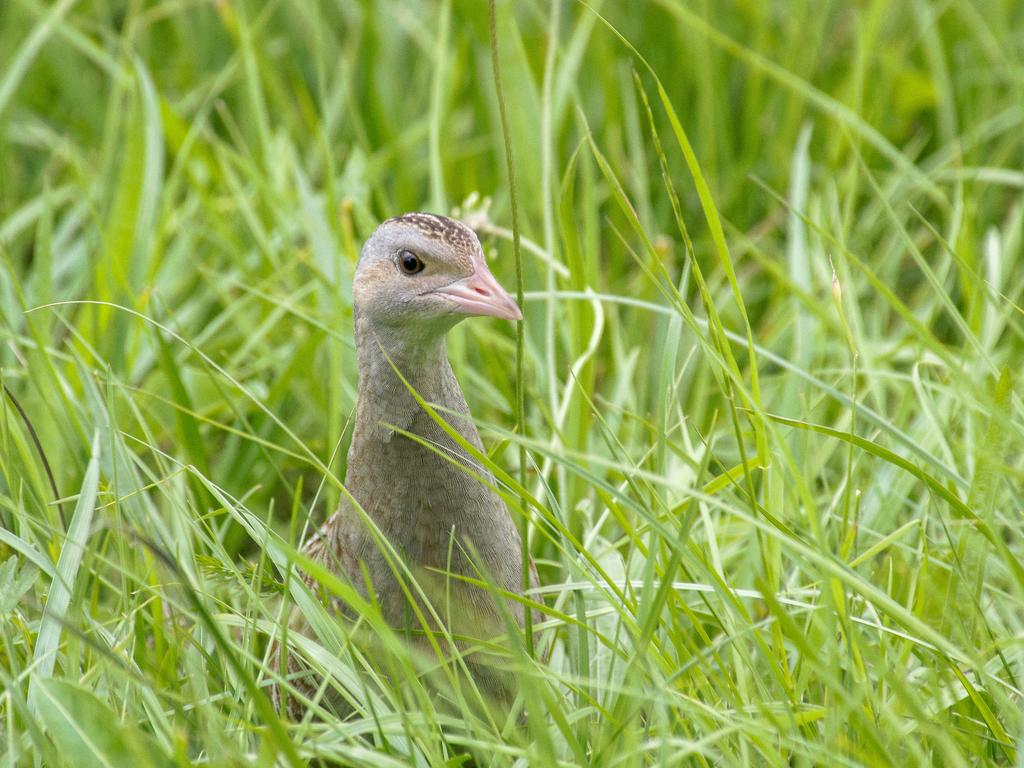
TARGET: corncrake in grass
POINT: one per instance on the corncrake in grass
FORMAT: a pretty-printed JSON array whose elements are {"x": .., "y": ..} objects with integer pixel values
[{"x": 776, "y": 524}]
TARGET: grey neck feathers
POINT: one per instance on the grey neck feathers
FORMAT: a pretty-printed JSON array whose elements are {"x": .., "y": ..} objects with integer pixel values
[{"x": 384, "y": 399}]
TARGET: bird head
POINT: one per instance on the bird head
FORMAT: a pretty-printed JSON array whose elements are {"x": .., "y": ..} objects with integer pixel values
[{"x": 423, "y": 273}]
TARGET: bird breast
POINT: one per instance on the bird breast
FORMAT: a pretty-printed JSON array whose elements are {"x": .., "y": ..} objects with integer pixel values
[{"x": 436, "y": 515}]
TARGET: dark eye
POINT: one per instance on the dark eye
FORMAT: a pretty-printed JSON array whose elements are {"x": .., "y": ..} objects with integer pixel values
[{"x": 410, "y": 263}]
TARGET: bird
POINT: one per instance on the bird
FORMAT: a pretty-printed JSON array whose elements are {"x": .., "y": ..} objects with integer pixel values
[{"x": 418, "y": 275}]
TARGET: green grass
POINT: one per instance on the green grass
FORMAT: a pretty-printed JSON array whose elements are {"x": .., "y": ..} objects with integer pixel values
[{"x": 773, "y": 441}]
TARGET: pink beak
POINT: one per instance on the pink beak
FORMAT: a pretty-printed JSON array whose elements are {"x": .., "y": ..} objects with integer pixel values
[{"x": 480, "y": 294}]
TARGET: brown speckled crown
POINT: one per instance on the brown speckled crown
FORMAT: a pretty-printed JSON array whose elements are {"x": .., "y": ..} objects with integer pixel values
[{"x": 453, "y": 233}]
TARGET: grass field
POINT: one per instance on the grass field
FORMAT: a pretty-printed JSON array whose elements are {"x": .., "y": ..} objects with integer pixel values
[{"x": 771, "y": 453}]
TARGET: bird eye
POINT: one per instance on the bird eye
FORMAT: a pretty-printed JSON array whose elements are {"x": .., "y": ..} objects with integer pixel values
[{"x": 410, "y": 263}]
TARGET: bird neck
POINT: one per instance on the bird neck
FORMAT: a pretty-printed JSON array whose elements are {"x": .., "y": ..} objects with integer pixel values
[{"x": 384, "y": 398}]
